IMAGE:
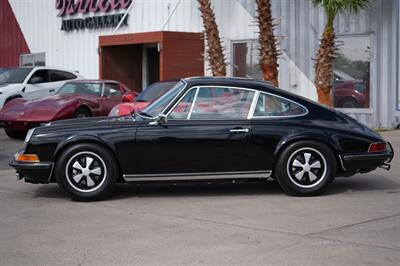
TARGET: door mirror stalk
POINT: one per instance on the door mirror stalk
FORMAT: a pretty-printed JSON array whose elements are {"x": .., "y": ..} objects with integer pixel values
[{"x": 162, "y": 119}]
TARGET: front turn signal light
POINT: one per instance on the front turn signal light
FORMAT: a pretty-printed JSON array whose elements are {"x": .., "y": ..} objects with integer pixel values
[
  {"x": 377, "y": 147},
  {"x": 27, "y": 158}
]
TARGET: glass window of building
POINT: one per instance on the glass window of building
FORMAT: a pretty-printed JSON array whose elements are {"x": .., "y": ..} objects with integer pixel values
[
  {"x": 29, "y": 60},
  {"x": 351, "y": 84},
  {"x": 246, "y": 59}
]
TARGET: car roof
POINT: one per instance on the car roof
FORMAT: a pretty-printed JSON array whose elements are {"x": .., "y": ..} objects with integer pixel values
[
  {"x": 239, "y": 82},
  {"x": 52, "y": 68},
  {"x": 93, "y": 81}
]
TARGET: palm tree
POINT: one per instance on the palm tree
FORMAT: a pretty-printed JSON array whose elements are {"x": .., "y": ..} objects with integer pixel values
[
  {"x": 327, "y": 50},
  {"x": 215, "y": 54},
  {"x": 268, "y": 47}
]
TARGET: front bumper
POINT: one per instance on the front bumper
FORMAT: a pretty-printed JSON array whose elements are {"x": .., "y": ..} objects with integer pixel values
[
  {"x": 368, "y": 161},
  {"x": 33, "y": 172}
]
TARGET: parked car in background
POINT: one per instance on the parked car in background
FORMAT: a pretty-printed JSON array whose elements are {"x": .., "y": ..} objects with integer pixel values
[
  {"x": 75, "y": 99},
  {"x": 147, "y": 96},
  {"x": 205, "y": 129},
  {"x": 349, "y": 92},
  {"x": 32, "y": 82}
]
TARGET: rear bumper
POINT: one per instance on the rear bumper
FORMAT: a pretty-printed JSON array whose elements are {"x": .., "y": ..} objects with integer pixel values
[
  {"x": 366, "y": 161},
  {"x": 33, "y": 172}
]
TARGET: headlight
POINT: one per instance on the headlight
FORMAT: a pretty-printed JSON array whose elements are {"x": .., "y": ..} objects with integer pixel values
[{"x": 29, "y": 135}]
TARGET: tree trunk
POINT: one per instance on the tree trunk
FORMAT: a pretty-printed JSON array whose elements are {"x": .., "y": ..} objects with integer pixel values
[
  {"x": 214, "y": 50},
  {"x": 268, "y": 48},
  {"x": 324, "y": 67}
]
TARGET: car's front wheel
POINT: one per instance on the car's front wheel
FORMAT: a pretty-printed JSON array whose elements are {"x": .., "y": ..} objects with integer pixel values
[
  {"x": 13, "y": 134},
  {"x": 86, "y": 172},
  {"x": 306, "y": 168}
]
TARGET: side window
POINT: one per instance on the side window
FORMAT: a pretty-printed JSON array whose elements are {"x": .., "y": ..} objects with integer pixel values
[
  {"x": 270, "y": 106},
  {"x": 56, "y": 75},
  {"x": 182, "y": 109},
  {"x": 40, "y": 76},
  {"x": 222, "y": 103},
  {"x": 112, "y": 90}
]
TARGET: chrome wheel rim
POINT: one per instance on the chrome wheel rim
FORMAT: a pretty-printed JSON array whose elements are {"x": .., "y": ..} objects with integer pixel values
[
  {"x": 306, "y": 167},
  {"x": 85, "y": 171}
]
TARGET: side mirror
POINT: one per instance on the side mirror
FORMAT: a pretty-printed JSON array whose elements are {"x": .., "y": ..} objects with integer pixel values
[
  {"x": 128, "y": 98},
  {"x": 162, "y": 119},
  {"x": 36, "y": 80}
]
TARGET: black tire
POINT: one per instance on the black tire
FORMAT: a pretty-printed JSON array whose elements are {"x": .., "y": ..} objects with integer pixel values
[
  {"x": 83, "y": 182},
  {"x": 13, "y": 134},
  {"x": 82, "y": 112},
  {"x": 306, "y": 168},
  {"x": 349, "y": 103}
]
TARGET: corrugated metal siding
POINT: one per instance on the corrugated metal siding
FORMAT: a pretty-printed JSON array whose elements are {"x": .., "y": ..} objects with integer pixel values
[
  {"x": 12, "y": 42},
  {"x": 301, "y": 25}
]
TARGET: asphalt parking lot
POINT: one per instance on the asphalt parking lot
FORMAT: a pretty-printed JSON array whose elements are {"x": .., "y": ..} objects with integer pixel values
[{"x": 356, "y": 223}]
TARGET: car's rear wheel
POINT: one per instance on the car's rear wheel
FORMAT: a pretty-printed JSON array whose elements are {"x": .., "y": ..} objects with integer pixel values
[
  {"x": 13, "y": 134},
  {"x": 82, "y": 113},
  {"x": 86, "y": 172},
  {"x": 306, "y": 168}
]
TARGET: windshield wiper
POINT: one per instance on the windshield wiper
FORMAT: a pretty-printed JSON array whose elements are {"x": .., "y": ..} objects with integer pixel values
[{"x": 144, "y": 114}]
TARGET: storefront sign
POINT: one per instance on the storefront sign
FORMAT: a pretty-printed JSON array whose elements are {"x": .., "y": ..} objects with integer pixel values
[{"x": 73, "y": 7}]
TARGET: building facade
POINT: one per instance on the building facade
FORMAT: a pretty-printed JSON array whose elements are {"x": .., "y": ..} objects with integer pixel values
[{"x": 142, "y": 41}]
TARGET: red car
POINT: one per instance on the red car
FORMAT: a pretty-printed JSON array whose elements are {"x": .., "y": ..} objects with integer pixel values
[
  {"x": 350, "y": 94},
  {"x": 147, "y": 96},
  {"x": 75, "y": 99}
]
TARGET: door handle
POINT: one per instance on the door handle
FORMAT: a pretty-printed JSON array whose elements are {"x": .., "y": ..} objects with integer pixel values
[{"x": 238, "y": 130}]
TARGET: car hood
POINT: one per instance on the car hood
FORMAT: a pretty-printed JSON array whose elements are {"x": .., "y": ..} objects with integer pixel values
[{"x": 44, "y": 109}]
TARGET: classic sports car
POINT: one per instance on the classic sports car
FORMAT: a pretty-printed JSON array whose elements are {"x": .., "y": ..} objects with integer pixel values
[
  {"x": 75, "y": 99},
  {"x": 205, "y": 128},
  {"x": 147, "y": 96}
]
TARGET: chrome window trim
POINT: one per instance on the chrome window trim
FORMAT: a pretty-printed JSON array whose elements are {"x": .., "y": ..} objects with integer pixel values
[
  {"x": 194, "y": 101},
  {"x": 213, "y": 86},
  {"x": 198, "y": 176},
  {"x": 176, "y": 96},
  {"x": 183, "y": 96},
  {"x": 280, "y": 116},
  {"x": 253, "y": 105}
]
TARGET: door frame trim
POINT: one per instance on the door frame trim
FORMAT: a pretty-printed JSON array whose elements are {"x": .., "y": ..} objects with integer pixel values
[{"x": 197, "y": 176}]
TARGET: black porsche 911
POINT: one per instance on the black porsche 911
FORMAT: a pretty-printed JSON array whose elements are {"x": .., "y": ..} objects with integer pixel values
[{"x": 205, "y": 129}]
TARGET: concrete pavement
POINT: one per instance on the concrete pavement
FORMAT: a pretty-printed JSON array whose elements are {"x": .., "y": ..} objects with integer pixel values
[{"x": 356, "y": 223}]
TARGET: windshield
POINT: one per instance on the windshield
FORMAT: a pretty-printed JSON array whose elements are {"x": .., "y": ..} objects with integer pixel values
[
  {"x": 154, "y": 91},
  {"x": 88, "y": 88},
  {"x": 161, "y": 103},
  {"x": 14, "y": 75}
]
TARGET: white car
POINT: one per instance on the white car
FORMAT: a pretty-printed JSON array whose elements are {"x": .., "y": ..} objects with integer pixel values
[{"x": 32, "y": 82}]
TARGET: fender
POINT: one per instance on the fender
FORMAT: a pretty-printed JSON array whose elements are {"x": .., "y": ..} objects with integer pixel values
[
  {"x": 83, "y": 138},
  {"x": 329, "y": 140}
]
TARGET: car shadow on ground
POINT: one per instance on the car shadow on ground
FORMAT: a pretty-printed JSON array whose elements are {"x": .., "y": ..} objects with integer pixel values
[{"x": 358, "y": 183}]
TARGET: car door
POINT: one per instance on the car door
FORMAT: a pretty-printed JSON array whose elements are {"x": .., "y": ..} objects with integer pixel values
[
  {"x": 38, "y": 85},
  {"x": 207, "y": 131},
  {"x": 112, "y": 95}
]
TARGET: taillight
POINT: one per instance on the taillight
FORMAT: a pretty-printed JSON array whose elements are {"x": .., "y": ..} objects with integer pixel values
[{"x": 377, "y": 147}]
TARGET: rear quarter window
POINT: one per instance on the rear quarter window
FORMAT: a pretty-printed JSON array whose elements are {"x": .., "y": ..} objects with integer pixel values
[{"x": 269, "y": 105}]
